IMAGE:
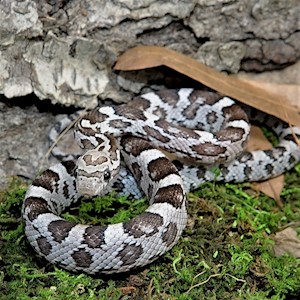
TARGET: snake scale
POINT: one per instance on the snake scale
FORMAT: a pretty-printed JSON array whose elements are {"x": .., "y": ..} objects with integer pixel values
[{"x": 202, "y": 129}]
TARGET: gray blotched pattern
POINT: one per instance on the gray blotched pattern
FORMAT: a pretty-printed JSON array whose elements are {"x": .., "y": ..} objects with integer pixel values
[{"x": 156, "y": 117}]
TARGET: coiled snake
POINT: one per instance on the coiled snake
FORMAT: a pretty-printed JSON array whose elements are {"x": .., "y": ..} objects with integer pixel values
[{"x": 161, "y": 120}]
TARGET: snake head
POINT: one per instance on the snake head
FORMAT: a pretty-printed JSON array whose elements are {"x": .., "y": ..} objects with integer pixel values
[{"x": 96, "y": 171}]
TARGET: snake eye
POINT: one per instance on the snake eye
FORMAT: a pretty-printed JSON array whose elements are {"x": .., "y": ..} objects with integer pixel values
[{"x": 106, "y": 175}]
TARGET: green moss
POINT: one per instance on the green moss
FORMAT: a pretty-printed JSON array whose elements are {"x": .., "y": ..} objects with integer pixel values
[
  {"x": 224, "y": 253},
  {"x": 105, "y": 210}
]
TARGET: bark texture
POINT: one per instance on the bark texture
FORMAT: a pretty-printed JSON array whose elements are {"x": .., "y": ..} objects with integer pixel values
[{"x": 64, "y": 50}]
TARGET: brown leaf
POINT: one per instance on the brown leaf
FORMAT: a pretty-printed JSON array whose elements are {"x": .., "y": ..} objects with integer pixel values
[
  {"x": 126, "y": 290},
  {"x": 267, "y": 97},
  {"x": 291, "y": 92},
  {"x": 257, "y": 140},
  {"x": 288, "y": 76},
  {"x": 152, "y": 56},
  {"x": 271, "y": 187},
  {"x": 287, "y": 241}
]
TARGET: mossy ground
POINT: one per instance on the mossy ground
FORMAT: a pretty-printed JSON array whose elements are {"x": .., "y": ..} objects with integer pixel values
[{"x": 224, "y": 253}]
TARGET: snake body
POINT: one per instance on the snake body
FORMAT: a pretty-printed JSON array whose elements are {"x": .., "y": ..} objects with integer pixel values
[{"x": 136, "y": 131}]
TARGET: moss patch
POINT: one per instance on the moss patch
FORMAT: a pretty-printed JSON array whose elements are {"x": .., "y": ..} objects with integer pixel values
[{"x": 224, "y": 253}]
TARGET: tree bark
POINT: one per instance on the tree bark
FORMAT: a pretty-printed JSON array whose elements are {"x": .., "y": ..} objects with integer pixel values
[{"x": 64, "y": 50}]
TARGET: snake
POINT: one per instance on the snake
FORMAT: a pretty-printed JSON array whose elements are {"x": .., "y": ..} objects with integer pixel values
[{"x": 162, "y": 145}]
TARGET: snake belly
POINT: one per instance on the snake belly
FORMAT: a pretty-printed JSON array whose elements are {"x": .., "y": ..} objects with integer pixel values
[{"x": 175, "y": 121}]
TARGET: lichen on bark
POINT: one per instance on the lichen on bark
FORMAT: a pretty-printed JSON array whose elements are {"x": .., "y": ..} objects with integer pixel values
[{"x": 64, "y": 50}]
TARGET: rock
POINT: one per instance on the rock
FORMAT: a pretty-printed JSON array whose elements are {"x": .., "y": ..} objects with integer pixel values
[
  {"x": 65, "y": 50},
  {"x": 24, "y": 140},
  {"x": 69, "y": 75}
]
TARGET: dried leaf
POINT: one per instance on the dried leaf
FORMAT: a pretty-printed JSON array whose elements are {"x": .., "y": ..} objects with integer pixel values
[
  {"x": 287, "y": 241},
  {"x": 286, "y": 76},
  {"x": 291, "y": 92},
  {"x": 268, "y": 98},
  {"x": 127, "y": 290},
  {"x": 257, "y": 140},
  {"x": 152, "y": 56},
  {"x": 271, "y": 187}
]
